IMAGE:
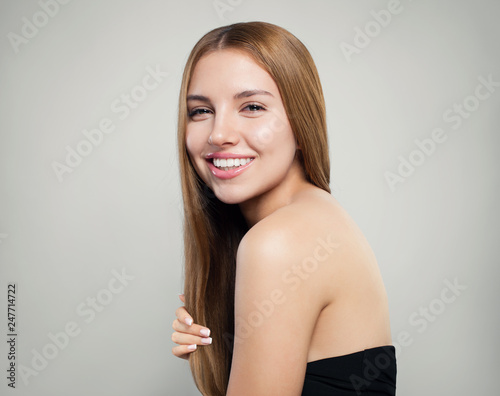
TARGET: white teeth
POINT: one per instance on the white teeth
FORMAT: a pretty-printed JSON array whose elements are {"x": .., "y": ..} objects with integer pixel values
[{"x": 230, "y": 163}]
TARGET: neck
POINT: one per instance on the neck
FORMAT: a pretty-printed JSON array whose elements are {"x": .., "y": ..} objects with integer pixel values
[{"x": 259, "y": 207}]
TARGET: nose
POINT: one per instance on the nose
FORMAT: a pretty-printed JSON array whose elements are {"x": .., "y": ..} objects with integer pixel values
[{"x": 224, "y": 131}]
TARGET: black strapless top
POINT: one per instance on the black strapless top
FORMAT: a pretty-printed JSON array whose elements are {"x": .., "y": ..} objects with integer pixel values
[{"x": 371, "y": 372}]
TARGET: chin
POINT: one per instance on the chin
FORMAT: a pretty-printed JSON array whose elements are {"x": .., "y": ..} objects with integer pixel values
[{"x": 232, "y": 197}]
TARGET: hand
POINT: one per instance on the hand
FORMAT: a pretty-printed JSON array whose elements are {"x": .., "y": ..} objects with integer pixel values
[{"x": 187, "y": 334}]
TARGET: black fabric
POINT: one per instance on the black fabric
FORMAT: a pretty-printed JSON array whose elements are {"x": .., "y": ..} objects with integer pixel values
[{"x": 371, "y": 372}]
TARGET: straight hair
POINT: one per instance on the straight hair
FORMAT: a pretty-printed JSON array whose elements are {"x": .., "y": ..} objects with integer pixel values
[{"x": 213, "y": 229}]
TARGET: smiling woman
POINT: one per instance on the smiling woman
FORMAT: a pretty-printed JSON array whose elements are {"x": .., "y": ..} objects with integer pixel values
[{"x": 255, "y": 178}]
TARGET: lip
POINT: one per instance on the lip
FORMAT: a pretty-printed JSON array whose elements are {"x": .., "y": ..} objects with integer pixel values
[
  {"x": 222, "y": 174},
  {"x": 227, "y": 155}
]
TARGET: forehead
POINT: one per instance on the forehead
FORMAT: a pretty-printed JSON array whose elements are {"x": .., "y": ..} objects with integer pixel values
[{"x": 229, "y": 71}]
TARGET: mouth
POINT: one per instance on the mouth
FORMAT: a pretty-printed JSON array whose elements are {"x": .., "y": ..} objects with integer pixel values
[{"x": 227, "y": 164}]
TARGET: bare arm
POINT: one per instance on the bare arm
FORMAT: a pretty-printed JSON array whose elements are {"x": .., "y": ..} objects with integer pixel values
[{"x": 273, "y": 322}]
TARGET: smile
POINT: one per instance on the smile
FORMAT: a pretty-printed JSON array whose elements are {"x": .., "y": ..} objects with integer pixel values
[{"x": 230, "y": 163}]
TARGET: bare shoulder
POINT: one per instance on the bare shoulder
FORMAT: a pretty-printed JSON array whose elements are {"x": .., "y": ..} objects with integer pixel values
[
  {"x": 314, "y": 247},
  {"x": 314, "y": 220}
]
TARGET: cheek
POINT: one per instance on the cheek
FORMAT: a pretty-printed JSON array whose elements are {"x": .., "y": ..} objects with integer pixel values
[
  {"x": 195, "y": 140},
  {"x": 273, "y": 133},
  {"x": 197, "y": 134},
  {"x": 194, "y": 147},
  {"x": 190, "y": 143}
]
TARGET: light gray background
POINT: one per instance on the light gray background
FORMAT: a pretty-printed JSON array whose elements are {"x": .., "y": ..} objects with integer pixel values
[{"x": 120, "y": 208}]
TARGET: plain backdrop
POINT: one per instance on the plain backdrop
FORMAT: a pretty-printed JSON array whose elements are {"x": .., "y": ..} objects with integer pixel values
[{"x": 96, "y": 248}]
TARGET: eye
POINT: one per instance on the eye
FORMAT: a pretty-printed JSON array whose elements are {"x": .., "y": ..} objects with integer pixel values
[
  {"x": 198, "y": 112},
  {"x": 253, "y": 107}
]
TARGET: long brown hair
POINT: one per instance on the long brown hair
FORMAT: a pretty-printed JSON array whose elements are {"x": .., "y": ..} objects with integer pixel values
[{"x": 213, "y": 229}]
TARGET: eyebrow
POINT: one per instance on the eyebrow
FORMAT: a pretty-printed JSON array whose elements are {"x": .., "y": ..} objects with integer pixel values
[
  {"x": 243, "y": 94},
  {"x": 252, "y": 92}
]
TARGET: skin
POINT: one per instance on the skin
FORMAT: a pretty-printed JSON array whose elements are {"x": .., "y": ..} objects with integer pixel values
[{"x": 308, "y": 285}]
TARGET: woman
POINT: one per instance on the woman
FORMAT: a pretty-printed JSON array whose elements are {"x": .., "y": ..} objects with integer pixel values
[{"x": 275, "y": 270}]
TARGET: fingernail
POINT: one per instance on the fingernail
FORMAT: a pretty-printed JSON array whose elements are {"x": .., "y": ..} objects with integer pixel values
[
  {"x": 192, "y": 347},
  {"x": 206, "y": 340},
  {"x": 188, "y": 321},
  {"x": 205, "y": 332}
]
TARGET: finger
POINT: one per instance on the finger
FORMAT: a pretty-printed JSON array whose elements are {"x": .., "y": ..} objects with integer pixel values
[
  {"x": 182, "y": 298},
  {"x": 194, "y": 329},
  {"x": 183, "y": 316},
  {"x": 188, "y": 339},
  {"x": 183, "y": 351}
]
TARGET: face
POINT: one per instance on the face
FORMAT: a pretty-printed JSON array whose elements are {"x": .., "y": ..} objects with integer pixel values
[{"x": 238, "y": 135}]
